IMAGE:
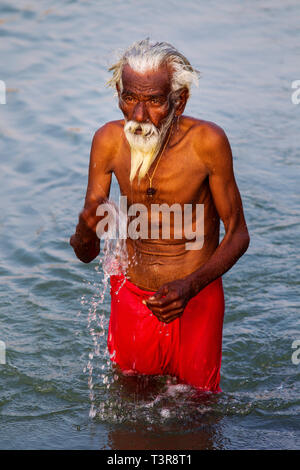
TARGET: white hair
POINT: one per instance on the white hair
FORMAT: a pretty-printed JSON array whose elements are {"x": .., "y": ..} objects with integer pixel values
[{"x": 145, "y": 55}]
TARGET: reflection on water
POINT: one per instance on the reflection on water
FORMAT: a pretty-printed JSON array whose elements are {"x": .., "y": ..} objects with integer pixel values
[{"x": 156, "y": 413}]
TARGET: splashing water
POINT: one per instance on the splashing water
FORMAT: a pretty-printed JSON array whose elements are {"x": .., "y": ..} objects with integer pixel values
[{"x": 113, "y": 262}]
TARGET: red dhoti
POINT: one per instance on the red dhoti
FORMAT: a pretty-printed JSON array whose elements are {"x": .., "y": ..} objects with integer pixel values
[{"x": 190, "y": 347}]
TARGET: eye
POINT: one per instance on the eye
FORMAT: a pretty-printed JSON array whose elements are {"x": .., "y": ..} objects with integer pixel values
[
  {"x": 155, "y": 100},
  {"x": 128, "y": 99}
]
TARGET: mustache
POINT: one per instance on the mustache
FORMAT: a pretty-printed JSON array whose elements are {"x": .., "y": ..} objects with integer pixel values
[{"x": 147, "y": 129}]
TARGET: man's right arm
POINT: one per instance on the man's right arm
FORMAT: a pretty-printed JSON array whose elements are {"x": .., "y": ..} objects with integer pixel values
[{"x": 85, "y": 241}]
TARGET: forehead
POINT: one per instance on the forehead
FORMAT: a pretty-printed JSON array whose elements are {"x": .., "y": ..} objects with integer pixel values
[{"x": 150, "y": 82}]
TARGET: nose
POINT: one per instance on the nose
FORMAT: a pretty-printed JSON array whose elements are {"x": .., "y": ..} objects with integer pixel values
[{"x": 140, "y": 113}]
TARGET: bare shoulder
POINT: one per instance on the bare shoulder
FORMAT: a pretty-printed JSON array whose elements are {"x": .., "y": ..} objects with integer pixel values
[
  {"x": 210, "y": 142},
  {"x": 108, "y": 136},
  {"x": 204, "y": 133},
  {"x": 105, "y": 144}
]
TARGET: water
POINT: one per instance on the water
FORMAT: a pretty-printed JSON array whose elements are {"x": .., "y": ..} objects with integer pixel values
[
  {"x": 54, "y": 60},
  {"x": 113, "y": 262}
]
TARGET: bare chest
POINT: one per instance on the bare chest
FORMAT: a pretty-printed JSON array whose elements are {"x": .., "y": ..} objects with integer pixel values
[{"x": 179, "y": 177}]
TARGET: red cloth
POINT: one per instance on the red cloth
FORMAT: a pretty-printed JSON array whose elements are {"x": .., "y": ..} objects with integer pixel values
[{"x": 190, "y": 347}]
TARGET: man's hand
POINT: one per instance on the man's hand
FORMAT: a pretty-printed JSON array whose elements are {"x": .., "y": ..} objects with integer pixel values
[
  {"x": 169, "y": 302},
  {"x": 85, "y": 251},
  {"x": 85, "y": 242}
]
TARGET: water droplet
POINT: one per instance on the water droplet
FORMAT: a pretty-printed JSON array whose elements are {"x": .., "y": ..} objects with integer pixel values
[{"x": 114, "y": 261}]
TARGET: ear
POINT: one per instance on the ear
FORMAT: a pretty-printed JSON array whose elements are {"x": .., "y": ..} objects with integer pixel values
[{"x": 180, "y": 101}]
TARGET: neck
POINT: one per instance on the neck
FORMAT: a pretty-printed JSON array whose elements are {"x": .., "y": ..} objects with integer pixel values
[{"x": 165, "y": 141}]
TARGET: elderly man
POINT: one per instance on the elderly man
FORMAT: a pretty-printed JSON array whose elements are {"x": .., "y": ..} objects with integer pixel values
[{"x": 167, "y": 312}]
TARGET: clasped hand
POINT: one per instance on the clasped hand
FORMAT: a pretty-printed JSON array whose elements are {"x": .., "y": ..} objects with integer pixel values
[{"x": 169, "y": 302}]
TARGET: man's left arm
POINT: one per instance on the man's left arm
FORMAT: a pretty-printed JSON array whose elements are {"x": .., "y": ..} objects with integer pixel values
[{"x": 170, "y": 300}]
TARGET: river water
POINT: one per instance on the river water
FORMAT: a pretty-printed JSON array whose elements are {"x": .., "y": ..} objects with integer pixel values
[{"x": 54, "y": 58}]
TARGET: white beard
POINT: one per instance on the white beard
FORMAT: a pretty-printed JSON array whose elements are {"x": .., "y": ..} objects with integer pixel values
[{"x": 145, "y": 146}]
